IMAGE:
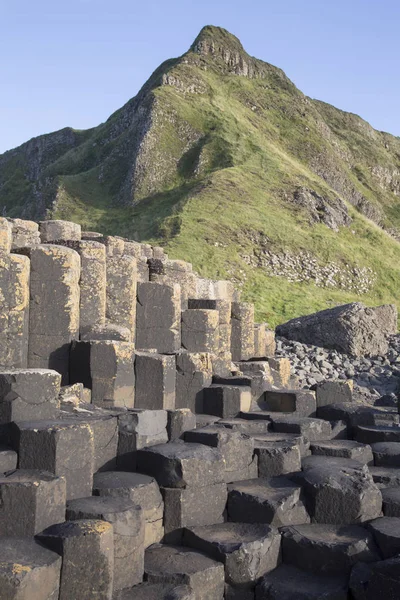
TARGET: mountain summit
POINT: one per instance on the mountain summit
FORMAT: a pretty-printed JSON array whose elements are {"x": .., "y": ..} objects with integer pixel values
[{"x": 221, "y": 159}]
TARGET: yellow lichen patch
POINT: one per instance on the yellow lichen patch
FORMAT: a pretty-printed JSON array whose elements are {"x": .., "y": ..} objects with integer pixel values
[{"x": 18, "y": 568}]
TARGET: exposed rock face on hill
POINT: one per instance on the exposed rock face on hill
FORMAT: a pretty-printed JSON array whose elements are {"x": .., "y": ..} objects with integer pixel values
[{"x": 217, "y": 143}]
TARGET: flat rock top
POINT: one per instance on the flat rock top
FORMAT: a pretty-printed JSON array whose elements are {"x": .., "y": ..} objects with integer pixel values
[
  {"x": 156, "y": 591},
  {"x": 50, "y": 426},
  {"x": 101, "y": 505},
  {"x": 274, "y": 488},
  {"x": 176, "y": 559},
  {"x": 27, "y": 476},
  {"x": 278, "y": 437},
  {"x": 300, "y": 421},
  {"x": 327, "y": 534},
  {"x": 331, "y": 463},
  {"x": 388, "y": 448},
  {"x": 179, "y": 451},
  {"x": 380, "y": 428},
  {"x": 24, "y": 554},
  {"x": 70, "y": 529},
  {"x": 337, "y": 444},
  {"x": 300, "y": 585},
  {"x": 391, "y": 494},
  {"x": 233, "y": 535},
  {"x": 387, "y": 525},
  {"x": 120, "y": 479},
  {"x": 385, "y": 471}
]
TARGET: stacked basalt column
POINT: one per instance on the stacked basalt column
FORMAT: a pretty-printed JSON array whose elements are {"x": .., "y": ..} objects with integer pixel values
[{"x": 109, "y": 349}]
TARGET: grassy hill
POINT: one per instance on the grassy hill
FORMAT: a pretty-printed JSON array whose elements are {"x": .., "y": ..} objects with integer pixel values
[{"x": 224, "y": 162}]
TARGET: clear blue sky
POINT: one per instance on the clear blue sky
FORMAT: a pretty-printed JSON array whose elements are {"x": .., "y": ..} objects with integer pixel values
[{"x": 73, "y": 62}]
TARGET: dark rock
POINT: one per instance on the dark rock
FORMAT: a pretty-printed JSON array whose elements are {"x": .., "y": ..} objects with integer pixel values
[
  {"x": 352, "y": 328},
  {"x": 180, "y": 565},
  {"x": 248, "y": 551}
]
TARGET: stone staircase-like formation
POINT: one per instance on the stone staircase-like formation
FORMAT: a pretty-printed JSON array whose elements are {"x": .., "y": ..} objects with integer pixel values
[{"x": 153, "y": 447}]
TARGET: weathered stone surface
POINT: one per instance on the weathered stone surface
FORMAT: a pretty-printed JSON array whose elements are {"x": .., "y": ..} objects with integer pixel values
[
  {"x": 200, "y": 330},
  {"x": 281, "y": 371},
  {"x": 351, "y": 328},
  {"x": 157, "y": 591},
  {"x": 344, "y": 449},
  {"x": 193, "y": 374},
  {"x": 113, "y": 374},
  {"x": 62, "y": 448},
  {"x": 236, "y": 449},
  {"x": 54, "y": 306},
  {"x": 107, "y": 368},
  {"x": 287, "y": 582},
  {"x": 386, "y": 454},
  {"x": 138, "y": 429},
  {"x": 8, "y": 459},
  {"x": 341, "y": 495},
  {"x": 30, "y": 502},
  {"x": 180, "y": 465},
  {"x": 28, "y": 571},
  {"x": 28, "y": 393},
  {"x": 174, "y": 272},
  {"x": 327, "y": 549},
  {"x": 261, "y": 379},
  {"x": 334, "y": 392},
  {"x": 180, "y": 565},
  {"x": 104, "y": 431},
  {"x": 355, "y": 414},
  {"x": 179, "y": 421},
  {"x": 277, "y": 458},
  {"x": 374, "y": 434},
  {"x": 264, "y": 341},
  {"x": 14, "y": 309},
  {"x": 52, "y": 231},
  {"x": 247, "y": 426},
  {"x": 24, "y": 233},
  {"x": 224, "y": 325},
  {"x": 155, "y": 381},
  {"x": 386, "y": 532},
  {"x": 87, "y": 550},
  {"x": 328, "y": 462},
  {"x": 158, "y": 317},
  {"x": 121, "y": 291},
  {"x": 242, "y": 335},
  {"x": 311, "y": 429},
  {"x": 226, "y": 401},
  {"x": 391, "y": 501},
  {"x": 140, "y": 490},
  {"x": 128, "y": 523},
  {"x": 92, "y": 283},
  {"x": 385, "y": 476},
  {"x": 376, "y": 580},
  {"x": 215, "y": 290},
  {"x": 150, "y": 426},
  {"x": 276, "y": 501},
  {"x": 108, "y": 331},
  {"x": 5, "y": 235},
  {"x": 247, "y": 550},
  {"x": 115, "y": 245},
  {"x": 192, "y": 506},
  {"x": 289, "y": 438},
  {"x": 300, "y": 402}
]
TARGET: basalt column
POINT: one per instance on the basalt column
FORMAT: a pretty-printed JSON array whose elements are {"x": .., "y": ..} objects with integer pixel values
[{"x": 54, "y": 306}]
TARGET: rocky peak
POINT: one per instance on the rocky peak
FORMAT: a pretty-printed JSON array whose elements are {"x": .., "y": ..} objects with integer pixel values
[{"x": 224, "y": 48}]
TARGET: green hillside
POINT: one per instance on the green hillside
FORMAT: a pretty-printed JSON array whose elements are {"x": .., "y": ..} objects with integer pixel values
[{"x": 224, "y": 162}]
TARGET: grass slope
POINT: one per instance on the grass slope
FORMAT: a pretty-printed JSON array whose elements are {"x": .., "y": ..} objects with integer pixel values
[{"x": 228, "y": 152}]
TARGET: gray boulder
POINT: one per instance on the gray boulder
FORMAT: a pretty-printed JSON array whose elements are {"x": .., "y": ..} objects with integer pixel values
[{"x": 351, "y": 328}]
